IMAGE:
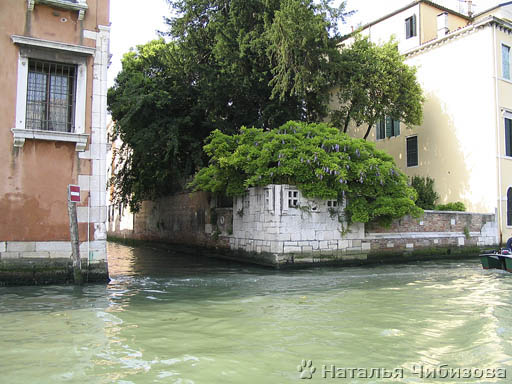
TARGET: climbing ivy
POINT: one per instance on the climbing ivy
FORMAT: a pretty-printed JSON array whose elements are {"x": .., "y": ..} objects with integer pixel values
[{"x": 317, "y": 158}]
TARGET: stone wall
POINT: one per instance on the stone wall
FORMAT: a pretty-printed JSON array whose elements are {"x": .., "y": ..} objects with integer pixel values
[
  {"x": 275, "y": 225},
  {"x": 39, "y": 263},
  {"x": 181, "y": 219}
]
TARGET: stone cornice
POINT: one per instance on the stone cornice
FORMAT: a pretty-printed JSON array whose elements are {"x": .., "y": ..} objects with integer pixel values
[
  {"x": 80, "y": 5},
  {"x": 488, "y": 21},
  {"x": 31, "y": 41},
  {"x": 20, "y": 135}
]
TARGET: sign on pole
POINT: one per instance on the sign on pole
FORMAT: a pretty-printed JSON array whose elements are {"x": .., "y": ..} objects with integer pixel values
[{"x": 74, "y": 193}]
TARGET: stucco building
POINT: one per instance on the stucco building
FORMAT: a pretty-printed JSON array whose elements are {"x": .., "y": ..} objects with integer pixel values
[
  {"x": 463, "y": 66},
  {"x": 53, "y": 76}
]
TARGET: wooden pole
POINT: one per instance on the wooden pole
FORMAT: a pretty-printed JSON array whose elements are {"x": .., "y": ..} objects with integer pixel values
[{"x": 75, "y": 244}]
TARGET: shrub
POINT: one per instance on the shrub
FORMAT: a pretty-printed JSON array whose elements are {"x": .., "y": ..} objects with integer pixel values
[
  {"x": 458, "y": 206},
  {"x": 424, "y": 186},
  {"x": 320, "y": 160}
]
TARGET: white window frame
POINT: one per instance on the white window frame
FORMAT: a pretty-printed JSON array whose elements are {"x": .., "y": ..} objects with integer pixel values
[{"x": 32, "y": 48}]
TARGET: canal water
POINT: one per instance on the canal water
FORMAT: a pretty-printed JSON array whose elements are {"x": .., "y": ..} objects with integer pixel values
[{"x": 169, "y": 317}]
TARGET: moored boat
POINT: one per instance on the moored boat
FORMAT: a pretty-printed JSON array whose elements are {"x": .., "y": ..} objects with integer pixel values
[{"x": 497, "y": 259}]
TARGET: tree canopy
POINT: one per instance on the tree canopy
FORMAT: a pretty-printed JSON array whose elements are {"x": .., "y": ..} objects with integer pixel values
[
  {"x": 319, "y": 159},
  {"x": 372, "y": 81},
  {"x": 233, "y": 63},
  {"x": 226, "y": 65}
]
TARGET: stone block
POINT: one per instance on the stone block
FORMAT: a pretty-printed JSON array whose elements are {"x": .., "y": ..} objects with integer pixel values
[
  {"x": 296, "y": 235},
  {"x": 53, "y": 246},
  {"x": 60, "y": 255},
  {"x": 390, "y": 244},
  {"x": 276, "y": 247},
  {"x": 291, "y": 249},
  {"x": 460, "y": 241},
  {"x": 21, "y": 246},
  {"x": 291, "y": 243},
  {"x": 323, "y": 244},
  {"x": 307, "y": 248},
  {"x": 308, "y": 234},
  {"x": 315, "y": 245},
  {"x": 9, "y": 255},
  {"x": 366, "y": 246},
  {"x": 319, "y": 235},
  {"x": 35, "y": 255},
  {"x": 356, "y": 243},
  {"x": 409, "y": 245},
  {"x": 3, "y": 246},
  {"x": 342, "y": 244},
  {"x": 284, "y": 237}
]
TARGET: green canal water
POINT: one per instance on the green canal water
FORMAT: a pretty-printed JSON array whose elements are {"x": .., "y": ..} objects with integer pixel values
[{"x": 176, "y": 318}]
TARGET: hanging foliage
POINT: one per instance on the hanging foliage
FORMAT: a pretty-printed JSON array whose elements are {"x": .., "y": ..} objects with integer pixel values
[{"x": 317, "y": 158}]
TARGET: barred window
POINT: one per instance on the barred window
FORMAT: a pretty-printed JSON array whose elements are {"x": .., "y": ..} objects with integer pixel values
[{"x": 51, "y": 96}]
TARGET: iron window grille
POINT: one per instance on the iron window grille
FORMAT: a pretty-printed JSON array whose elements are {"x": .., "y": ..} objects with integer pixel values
[{"x": 51, "y": 96}]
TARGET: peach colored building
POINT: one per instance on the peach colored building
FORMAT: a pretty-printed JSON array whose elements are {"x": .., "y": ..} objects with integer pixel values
[{"x": 53, "y": 77}]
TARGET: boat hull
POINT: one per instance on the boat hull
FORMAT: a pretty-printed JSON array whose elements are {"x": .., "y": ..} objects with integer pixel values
[{"x": 496, "y": 261}]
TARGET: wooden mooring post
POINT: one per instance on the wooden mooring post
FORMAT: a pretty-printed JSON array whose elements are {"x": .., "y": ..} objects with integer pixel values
[{"x": 73, "y": 198}]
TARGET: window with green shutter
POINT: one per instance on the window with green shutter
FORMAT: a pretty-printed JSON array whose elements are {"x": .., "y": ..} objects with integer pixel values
[
  {"x": 388, "y": 127},
  {"x": 508, "y": 137},
  {"x": 381, "y": 129},
  {"x": 509, "y": 207},
  {"x": 410, "y": 27}
]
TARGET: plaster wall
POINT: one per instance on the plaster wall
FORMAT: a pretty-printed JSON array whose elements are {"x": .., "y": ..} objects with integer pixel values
[
  {"x": 457, "y": 140},
  {"x": 428, "y": 17},
  {"x": 33, "y": 192},
  {"x": 395, "y": 26}
]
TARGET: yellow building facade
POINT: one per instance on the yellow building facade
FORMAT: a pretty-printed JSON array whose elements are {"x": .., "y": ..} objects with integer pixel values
[{"x": 463, "y": 66}]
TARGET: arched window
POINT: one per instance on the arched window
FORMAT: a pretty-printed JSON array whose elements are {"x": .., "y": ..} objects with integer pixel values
[{"x": 509, "y": 207}]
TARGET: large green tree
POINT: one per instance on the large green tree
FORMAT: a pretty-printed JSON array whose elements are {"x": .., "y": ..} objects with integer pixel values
[
  {"x": 158, "y": 121},
  {"x": 228, "y": 63},
  {"x": 320, "y": 160},
  {"x": 373, "y": 81}
]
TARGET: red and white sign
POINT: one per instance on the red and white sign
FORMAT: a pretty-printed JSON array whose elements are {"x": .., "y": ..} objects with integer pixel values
[{"x": 74, "y": 193}]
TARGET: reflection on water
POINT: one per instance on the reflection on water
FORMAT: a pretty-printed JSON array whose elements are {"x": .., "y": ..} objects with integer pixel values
[{"x": 171, "y": 317}]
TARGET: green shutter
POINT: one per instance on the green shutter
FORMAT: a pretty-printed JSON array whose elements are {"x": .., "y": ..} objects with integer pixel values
[
  {"x": 389, "y": 126},
  {"x": 508, "y": 137},
  {"x": 396, "y": 126},
  {"x": 381, "y": 130}
]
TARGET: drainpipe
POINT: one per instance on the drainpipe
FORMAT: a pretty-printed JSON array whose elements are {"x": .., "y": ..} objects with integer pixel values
[{"x": 498, "y": 119}]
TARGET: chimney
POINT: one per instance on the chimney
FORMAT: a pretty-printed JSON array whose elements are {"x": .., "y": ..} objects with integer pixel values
[{"x": 442, "y": 24}]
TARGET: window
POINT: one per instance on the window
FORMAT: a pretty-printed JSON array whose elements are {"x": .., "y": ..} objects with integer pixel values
[
  {"x": 508, "y": 137},
  {"x": 410, "y": 27},
  {"x": 51, "y": 91},
  {"x": 293, "y": 199},
  {"x": 387, "y": 127},
  {"x": 509, "y": 207},
  {"x": 51, "y": 99},
  {"x": 412, "y": 151},
  {"x": 505, "y": 62},
  {"x": 381, "y": 129}
]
